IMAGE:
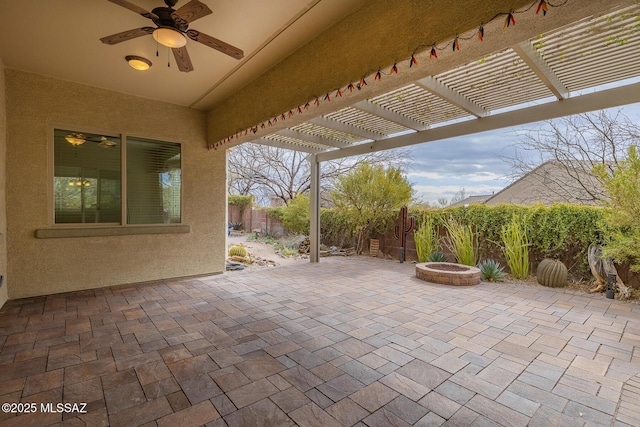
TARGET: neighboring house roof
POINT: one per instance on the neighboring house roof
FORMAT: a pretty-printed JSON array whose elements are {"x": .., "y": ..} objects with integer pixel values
[
  {"x": 471, "y": 200},
  {"x": 552, "y": 182}
]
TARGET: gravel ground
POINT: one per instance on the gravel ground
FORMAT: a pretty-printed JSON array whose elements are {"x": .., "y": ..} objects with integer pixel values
[{"x": 262, "y": 250}]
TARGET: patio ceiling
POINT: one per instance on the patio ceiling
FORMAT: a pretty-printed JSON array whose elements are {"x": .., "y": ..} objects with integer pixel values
[{"x": 512, "y": 86}]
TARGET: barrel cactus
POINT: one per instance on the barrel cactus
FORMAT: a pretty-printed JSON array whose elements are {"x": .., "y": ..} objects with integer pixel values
[
  {"x": 552, "y": 273},
  {"x": 238, "y": 250}
]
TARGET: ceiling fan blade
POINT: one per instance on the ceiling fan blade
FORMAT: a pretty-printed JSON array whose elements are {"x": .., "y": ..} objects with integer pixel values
[
  {"x": 135, "y": 8},
  {"x": 215, "y": 44},
  {"x": 182, "y": 59},
  {"x": 193, "y": 10},
  {"x": 126, "y": 35}
]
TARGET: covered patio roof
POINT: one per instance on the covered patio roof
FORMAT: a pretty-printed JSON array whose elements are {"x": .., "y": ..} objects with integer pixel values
[
  {"x": 575, "y": 65},
  {"x": 587, "y": 64}
]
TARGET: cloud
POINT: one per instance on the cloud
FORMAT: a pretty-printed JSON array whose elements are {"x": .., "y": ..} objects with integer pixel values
[
  {"x": 423, "y": 174},
  {"x": 478, "y": 163}
]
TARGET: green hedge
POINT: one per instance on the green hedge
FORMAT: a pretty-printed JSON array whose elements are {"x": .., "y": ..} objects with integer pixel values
[
  {"x": 561, "y": 231},
  {"x": 336, "y": 229}
]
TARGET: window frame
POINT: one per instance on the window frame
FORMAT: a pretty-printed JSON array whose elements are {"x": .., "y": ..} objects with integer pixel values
[{"x": 117, "y": 228}]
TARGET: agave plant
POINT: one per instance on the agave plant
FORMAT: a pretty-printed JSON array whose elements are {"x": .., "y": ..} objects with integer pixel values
[
  {"x": 437, "y": 257},
  {"x": 491, "y": 271}
]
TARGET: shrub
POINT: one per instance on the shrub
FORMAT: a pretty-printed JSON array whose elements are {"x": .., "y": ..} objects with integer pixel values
[
  {"x": 622, "y": 216},
  {"x": 461, "y": 241},
  {"x": 240, "y": 201},
  {"x": 426, "y": 240},
  {"x": 336, "y": 228},
  {"x": 491, "y": 271},
  {"x": 516, "y": 246},
  {"x": 295, "y": 215},
  {"x": 370, "y": 195},
  {"x": 289, "y": 251}
]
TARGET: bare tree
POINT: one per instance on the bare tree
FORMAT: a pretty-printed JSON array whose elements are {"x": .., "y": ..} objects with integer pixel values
[
  {"x": 575, "y": 144},
  {"x": 269, "y": 172},
  {"x": 443, "y": 202}
]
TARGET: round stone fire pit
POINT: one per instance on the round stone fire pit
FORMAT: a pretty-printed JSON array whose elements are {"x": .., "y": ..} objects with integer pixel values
[{"x": 448, "y": 273}]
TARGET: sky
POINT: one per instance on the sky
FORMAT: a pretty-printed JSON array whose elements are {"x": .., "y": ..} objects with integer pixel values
[{"x": 478, "y": 163}]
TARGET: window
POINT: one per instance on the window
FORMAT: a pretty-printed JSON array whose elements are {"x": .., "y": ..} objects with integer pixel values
[
  {"x": 153, "y": 182},
  {"x": 88, "y": 179}
]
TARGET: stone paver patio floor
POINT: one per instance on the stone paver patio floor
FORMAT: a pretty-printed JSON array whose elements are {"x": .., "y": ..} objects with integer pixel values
[{"x": 348, "y": 341}]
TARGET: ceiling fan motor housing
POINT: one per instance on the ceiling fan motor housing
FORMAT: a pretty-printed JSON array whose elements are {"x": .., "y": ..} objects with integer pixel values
[{"x": 167, "y": 18}]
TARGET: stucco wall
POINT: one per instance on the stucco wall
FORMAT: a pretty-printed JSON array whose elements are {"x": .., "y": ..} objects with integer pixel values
[
  {"x": 3, "y": 211},
  {"x": 35, "y": 104}
]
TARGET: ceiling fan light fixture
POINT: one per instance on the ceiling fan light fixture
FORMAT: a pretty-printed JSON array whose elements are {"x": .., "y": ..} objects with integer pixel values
[
  {"x": 138, "y": 62},
  {"x": 74, "y": 140},
  {"x": 169, "y": 37}
]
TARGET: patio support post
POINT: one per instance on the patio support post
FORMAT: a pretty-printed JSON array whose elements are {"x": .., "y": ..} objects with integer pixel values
[{"x": 314, "y": 228}]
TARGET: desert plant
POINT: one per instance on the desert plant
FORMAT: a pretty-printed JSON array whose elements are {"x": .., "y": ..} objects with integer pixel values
[
  {"x": 437, "y": 257},
  {"x": 426, "y": 240},
  {"x": 491, "y": 271},
  {"x": 235, "y": 225},
  {"x": 238, "y": 250},
  {"x": 289, "y": 251},
  {"x": 516, "y": 246},
  {"x": 461, "y": 241},
  {"x": 552, "y": 273}
]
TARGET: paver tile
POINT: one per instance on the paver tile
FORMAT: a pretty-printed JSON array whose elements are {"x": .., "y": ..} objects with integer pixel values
[
  {"x": 340, "y": 387},
  {"x": 263, "y": 413},
  {"x": 405, "y": 386},
  {"x": 290, "y": 399},
  {"x": 347, "y": 412},
  {"x": 252, "y": 392},
  {"x": 313, "y": 416},
  {"x": 406, "y": 409},
  {"x": 374, "y": 396}
]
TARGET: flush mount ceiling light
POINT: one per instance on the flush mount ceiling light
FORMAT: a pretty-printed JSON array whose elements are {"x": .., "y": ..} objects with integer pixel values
[
  {"x": 106, "y": 143},
  {"x": 138, "y": 62},
  {"x": 169, "y": 37}
]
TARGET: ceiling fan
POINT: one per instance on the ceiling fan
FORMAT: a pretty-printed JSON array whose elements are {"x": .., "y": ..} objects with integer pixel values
[
  {"x": 76, "y": 139},
  {"x": 172, "y": 30}
]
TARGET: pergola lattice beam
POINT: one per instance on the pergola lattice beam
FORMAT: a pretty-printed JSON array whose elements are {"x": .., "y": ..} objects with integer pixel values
[
  {"x": 540, "y": 67},
  {"x": 346, "y": 128},
  {"x": 451, "y": 96},
  {"x": 623, "y": 95},
  {"x": 392, "y": 116},
  {"x": 316, "y": 139},
  {"x": 287, "y": 145}
]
